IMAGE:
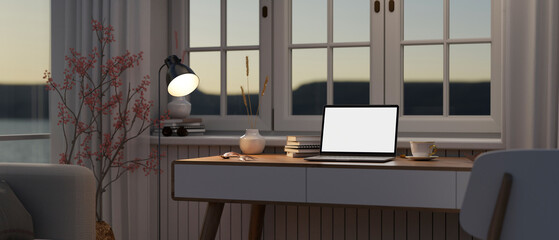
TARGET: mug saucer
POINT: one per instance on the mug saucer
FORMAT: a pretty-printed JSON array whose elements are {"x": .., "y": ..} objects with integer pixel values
[{"x": 422, "y": 158}]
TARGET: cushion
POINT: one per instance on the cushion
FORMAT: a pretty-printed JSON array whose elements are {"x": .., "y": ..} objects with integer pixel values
[{"x": 15, "y": 221}]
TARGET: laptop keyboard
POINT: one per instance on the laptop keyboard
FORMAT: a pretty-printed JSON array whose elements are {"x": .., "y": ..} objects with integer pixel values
[{"x": 350, "y": 158}]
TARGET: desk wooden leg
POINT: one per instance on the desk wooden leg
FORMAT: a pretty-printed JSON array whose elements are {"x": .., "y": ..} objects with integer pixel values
[
  {"x": 211, "y": 221},
  {"x": 256, "y": 221}
]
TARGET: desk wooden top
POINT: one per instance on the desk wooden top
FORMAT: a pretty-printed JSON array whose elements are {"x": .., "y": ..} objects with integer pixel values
[{"x": 281, "y": 160}]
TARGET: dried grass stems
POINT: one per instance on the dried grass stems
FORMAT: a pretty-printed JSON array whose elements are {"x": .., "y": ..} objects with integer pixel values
[{"x": 248, "y": 104}]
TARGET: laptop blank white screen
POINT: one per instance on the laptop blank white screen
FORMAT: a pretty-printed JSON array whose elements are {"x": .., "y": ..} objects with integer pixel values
[{"x": 359, "y": 129}]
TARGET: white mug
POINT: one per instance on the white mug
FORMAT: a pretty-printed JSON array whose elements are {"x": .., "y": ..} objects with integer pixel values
[{"x": 423, "y": 148}]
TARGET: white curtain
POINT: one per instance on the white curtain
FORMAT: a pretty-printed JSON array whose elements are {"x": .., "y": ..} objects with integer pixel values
[
  {"x": 128, "y": 205},
  {"x": 531, "y": 73}
]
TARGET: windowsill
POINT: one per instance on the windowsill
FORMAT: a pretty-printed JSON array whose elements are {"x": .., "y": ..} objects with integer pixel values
[{"x": 279, "y": 139}]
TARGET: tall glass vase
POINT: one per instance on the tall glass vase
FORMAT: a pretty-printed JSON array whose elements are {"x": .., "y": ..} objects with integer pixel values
[{"x": 252, "y": 142}]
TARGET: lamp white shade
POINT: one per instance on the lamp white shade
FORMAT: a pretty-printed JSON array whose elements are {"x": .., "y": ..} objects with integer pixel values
[{"x": 183, "y": 85}]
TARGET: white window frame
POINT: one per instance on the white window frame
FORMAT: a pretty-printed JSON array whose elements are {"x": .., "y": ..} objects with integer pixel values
[
  {"x": 490, "y": 126},
  {"x": 385, "y": 60},
  {"x": 383, "y": 88},
  {"x": 283, "y": 120},
  {"x": 180, "y": 24}
]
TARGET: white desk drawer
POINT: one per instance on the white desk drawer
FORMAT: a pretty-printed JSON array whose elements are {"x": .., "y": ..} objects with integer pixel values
[
  {"x": 256, "y": 183},
  {"x": 405, "y": 188},
  {"x": 462, "y": 179}
]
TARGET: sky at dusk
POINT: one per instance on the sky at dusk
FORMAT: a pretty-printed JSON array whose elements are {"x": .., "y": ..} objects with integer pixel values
[{"x": 25, "y": 41}]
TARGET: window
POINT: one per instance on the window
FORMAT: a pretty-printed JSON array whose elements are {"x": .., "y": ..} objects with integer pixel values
[
  {"x": 25, "y": 48},
  {"x": 221, "y": 37},
  {"x": 443, "y": 66},
  {"x": 438, "y": 59}
]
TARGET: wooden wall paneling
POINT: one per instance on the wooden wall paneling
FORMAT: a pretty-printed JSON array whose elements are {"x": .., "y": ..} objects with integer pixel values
[
  {"x": 338, "y": 223},
  {"x": 269, "y": 228},
  {"x": 439, "y": 226},
  {"x": 315, "y": 219},
  {"x": 165, "y": 192},
  {"x": 281, "y": 222},
  {"x": 375, "y": 223},
  {"x": 362, "y": 224},
  {"x": 412, "y": 219},
  {"x": 236, "y": 148},
  {"x": 425, "y": 225},
  {"x": 245, "y": 220},
  {"x": 172, "y": 206},
  {"x": 478, "y": 152},
  {"x": 292, "y": 222},
  {"x": 212, "y": 151},
  {"x": 351, "y": 223},
  {"x": 464, "y": 235},
  {"x": 224, "y": 149},
  {"x": 452, "y": 226},
  {"x": 225, "y": 223},
  {"x": 400, "y": 224},
  {"x": 190, "y": 220},
  {"x": 236, "y": 221},
  {"x": 202, "y": 207},
  {"x": 452, "y": 153},
  {"x": 303, "y": 222},
  {"x": 154, "y": 198},
  {"x": 269, "y": 150},
  {"x": 203, "y": 151},
  {"x": 387, "y": 224},
  {"x": 326, "y": 223}
]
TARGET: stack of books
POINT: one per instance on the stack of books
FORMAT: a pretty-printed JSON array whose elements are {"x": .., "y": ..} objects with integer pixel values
[
  {"x": 181, "y": 127},
  {"x": 302, "y": 146}
]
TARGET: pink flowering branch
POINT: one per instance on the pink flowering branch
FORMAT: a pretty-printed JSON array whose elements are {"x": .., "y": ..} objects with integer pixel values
[{"x": 102, "y": 94}]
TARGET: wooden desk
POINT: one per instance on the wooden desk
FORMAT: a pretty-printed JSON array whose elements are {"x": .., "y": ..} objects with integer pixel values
[{"x": 438, "y": 184}]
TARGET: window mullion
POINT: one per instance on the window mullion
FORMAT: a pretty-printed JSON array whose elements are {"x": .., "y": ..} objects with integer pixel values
[
  {"x": 330, "y": 55},
  {"x": 377, "y": 60},
  {"x": 446, "y": 80},
  {"x": 223, "y": 58}
]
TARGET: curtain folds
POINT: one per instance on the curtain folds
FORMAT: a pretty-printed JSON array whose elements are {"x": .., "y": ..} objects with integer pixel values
[
  {"x": 531, "y": 77},
  {"x": 126, "y": 204}
]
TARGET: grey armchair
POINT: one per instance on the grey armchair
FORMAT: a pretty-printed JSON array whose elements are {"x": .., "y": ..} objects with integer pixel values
[{"x": 59, "y": 198}]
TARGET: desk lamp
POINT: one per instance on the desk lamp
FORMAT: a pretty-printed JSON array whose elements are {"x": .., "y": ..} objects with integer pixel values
[{"x": 181, "y": 81}]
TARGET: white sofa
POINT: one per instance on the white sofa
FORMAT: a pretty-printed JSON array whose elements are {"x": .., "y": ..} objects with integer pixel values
[{"x": 59, "y": 198}]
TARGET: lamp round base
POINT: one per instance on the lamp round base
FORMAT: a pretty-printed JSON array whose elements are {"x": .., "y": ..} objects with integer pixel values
[{"x": 179, "y": 108}]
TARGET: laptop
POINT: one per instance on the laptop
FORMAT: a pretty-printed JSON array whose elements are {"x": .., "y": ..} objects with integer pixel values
[{"x": 358, "y": 133}]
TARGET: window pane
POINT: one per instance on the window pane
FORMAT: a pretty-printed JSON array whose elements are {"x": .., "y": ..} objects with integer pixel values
[
  {"x": 24, "y": 109},
  {"x": 237, "y": 77},
  {"x": 242, "y": 22},
  {"x": 205, "y": 17},
  {"x": 25, "y": 28},
  {"x": 23, "y": 97},
  {"x": 470, "y": 76},
  {"x": 35, "y": 151},
  {"x": 351, "y": 20},
  {"x": 423, "y": 80},
  {"x": 308, "y": 79},
  {"x": 351, "y": 75},
  {"x": 309, "y": 21},
  {"x": 470, "y": 19},
  {"x": 206, "y": 98},
  {"x": 423, "y": 19}
]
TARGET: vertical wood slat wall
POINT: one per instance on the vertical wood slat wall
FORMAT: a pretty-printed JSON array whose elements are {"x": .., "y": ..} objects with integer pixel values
[{"x": 183, "y": 219}]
